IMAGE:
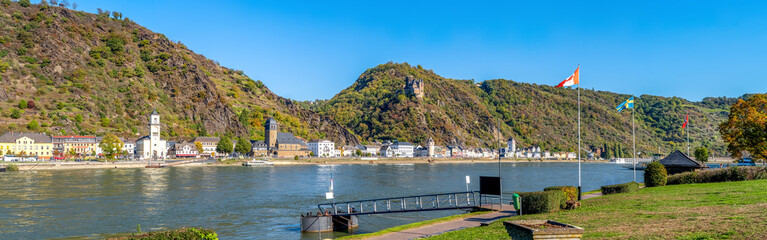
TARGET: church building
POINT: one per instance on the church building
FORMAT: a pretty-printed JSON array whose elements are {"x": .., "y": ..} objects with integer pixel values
[
  {"x": 152, "y": 146},
  {"x": 281, "y": 144}
]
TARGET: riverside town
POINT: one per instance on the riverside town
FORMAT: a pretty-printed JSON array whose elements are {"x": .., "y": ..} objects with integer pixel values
[{"x": 382, "y": 121}]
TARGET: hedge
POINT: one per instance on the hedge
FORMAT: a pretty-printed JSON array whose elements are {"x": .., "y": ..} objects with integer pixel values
[
  {"x": 730, "y": 174},
  {"x": 655, "y": 175},
  {"x": 541, "y": 202},
  {"x": 620, "y": 188}
]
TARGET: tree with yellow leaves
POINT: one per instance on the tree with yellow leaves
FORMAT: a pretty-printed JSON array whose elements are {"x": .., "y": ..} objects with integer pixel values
[{"x": 746, "y": 128}]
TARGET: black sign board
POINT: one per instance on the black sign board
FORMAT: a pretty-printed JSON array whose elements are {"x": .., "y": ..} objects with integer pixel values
[{"x": 489, "y": 185}]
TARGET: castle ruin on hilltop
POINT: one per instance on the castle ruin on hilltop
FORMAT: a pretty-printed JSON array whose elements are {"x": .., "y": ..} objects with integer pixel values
[{"x": 414, "y": 86}]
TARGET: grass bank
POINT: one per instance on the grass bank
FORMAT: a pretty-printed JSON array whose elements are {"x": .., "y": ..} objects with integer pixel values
[
  {"x": 727, "y": 210},
  {"x": 411, "y": 226}
]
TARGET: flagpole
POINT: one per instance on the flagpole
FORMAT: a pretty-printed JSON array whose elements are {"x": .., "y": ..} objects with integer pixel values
[
  {"x": 579, "y": 136},
  {"x": 500, "y": 181},
  {"x": 634, "y": 139},
  {"x": 688, "y": 133}
]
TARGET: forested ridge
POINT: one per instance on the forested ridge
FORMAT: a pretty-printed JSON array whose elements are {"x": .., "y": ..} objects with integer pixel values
[
  {"x": 71, "y": 72},
  {"x": 464, "y": 112}
]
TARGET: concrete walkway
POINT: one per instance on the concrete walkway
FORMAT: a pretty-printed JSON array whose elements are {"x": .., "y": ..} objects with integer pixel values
[{"x": 457, "y": 224}]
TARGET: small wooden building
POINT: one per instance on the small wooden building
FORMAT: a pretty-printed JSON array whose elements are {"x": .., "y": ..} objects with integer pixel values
[{"x": 678, "y": 162}]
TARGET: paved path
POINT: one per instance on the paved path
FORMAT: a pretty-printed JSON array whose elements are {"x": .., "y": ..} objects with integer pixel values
[{"x": 457, "y": 224}]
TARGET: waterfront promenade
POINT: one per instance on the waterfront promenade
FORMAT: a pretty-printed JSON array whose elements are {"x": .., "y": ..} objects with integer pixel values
[{"x": 469, "y": 222}]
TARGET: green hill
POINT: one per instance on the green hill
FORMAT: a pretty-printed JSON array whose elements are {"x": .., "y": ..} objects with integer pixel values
[
  {"x": 463, "y": 112},
  {"x": 71, "y": 72}
]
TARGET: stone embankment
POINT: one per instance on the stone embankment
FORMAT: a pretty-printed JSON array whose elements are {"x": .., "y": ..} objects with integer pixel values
[{"x": 77, "y": 165}]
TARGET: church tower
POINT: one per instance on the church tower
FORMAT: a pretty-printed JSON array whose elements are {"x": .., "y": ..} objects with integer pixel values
[
  {"x": 154, "y": 133},
  {"x": 270, "y": 132},
  {"x": 430, "y": 146},
  {"x": 512, "y": 146}
]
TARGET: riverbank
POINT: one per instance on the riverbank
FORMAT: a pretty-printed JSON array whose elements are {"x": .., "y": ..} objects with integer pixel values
[
  {"x": 69, "y": 165},
  {"x": 320, "y": 161},
  {"x": 689, "y": 211}
]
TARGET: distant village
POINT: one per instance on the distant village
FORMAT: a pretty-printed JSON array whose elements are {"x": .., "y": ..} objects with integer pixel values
[{"x": 19, "y": 146}]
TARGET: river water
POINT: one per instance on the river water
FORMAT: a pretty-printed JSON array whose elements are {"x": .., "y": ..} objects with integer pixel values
[{"x": 248, "y": 202}]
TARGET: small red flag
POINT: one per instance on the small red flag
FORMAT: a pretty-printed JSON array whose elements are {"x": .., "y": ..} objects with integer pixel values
[{"x": 686, "y": 118}]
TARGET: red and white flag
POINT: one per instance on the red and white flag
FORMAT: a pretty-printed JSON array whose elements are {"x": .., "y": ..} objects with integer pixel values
[
  {"x": 686, "y": 118},
  {"x": 572, "y": 80}
]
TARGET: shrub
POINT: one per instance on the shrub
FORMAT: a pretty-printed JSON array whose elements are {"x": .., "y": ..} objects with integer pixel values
[
  {"x": 570, "y": 192},
  {"x": 33, "y": 125},
  {"x": 11, "y": 168},
  {"x": 295, "y": 157},
  {"x": 15, "y": 113},
  {"x": 22, "y": 104},
  {"x": 719, "y": 175},
  {"x": 25, "y": 3},
  {"x": 655, "y": 175},
  {"x": 4, "y": 66},
  {"x": 620, "y": 188},
  {"x": 184, "y": 233},
  {"x": 541, "y": 202}
]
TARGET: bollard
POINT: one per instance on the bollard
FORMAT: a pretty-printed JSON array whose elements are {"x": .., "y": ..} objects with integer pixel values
[{"x": 517, "y": 202}]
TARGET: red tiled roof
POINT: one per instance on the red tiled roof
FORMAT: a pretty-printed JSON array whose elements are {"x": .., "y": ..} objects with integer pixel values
[{"x": 72, "y": 136}]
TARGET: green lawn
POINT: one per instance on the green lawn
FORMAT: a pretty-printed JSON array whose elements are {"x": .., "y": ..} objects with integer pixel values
[{"x": 729, "y": 210}]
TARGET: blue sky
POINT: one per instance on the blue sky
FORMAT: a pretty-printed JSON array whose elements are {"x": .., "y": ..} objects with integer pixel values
[{"x": 313, "y": 49}]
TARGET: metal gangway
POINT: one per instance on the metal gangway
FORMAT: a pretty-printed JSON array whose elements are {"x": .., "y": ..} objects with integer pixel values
[{"x": 430, "y": 202}]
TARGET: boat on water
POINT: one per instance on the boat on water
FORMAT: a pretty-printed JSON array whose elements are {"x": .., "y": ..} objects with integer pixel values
[
  {"x": 256, "y": 163},
  {"x": 639, "y": 166},
  {"x": 746, "y": 161}
]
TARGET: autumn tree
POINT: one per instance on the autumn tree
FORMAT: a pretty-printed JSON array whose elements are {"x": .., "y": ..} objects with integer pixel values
[
  {"x": 71, "y": 153},
  {"x": 198, "y": 147},
  {"x": 746, "y": 128},
  {"x": 111, "y": 145}
]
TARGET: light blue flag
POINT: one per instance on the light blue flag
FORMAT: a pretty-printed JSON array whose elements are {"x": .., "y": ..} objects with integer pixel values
[{"x": 627, "y": 104}]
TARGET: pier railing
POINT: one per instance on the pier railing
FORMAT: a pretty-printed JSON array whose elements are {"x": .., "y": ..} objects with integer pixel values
[{"x": 442, "y": 201}]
